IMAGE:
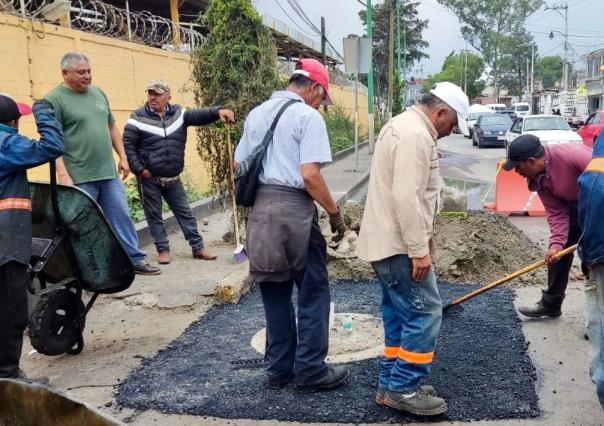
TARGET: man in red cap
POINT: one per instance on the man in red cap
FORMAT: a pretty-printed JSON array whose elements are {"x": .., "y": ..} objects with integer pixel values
[
  {"x": 17, "y": 154},
  {"x": 284, "y": 241}
]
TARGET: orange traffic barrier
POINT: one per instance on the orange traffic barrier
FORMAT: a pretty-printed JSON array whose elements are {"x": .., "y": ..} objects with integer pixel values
[{"x": 512, "y": 195}]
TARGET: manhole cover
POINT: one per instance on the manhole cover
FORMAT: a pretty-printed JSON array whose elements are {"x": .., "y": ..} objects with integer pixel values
[{"x": 366, "y": 340}]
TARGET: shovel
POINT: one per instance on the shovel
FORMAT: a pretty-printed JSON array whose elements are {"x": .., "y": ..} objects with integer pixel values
[{"x": 507, "y": 278}]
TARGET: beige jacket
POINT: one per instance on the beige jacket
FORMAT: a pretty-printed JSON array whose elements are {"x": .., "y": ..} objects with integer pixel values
[{"x": 403, "y": 190}]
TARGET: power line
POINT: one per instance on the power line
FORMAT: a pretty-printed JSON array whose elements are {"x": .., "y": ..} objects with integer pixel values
[{"x": 291, "y": 19}]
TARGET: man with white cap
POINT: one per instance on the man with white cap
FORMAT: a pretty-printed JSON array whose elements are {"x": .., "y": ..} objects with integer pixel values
[{"x": 396, "y": 237}]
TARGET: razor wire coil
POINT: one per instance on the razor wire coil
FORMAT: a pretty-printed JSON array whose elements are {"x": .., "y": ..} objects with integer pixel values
[{"x": 95, "y": 16}]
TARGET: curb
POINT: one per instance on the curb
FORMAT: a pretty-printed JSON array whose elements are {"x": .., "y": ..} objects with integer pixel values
[
  {"x": 344, "y": 153},
  {"x": 207, "y": 206},
  {"x": 200, "y": 209}
]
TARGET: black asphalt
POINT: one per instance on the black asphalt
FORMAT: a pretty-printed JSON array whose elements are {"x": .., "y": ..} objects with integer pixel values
[{"x": 482, "y": 367}]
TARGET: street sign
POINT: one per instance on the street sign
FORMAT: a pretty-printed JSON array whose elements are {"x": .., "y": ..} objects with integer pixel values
[{"x": 357, "y": 54}]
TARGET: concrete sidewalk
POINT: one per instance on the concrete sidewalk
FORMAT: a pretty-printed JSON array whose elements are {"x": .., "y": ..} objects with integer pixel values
[{"x": 343, "y": 177}]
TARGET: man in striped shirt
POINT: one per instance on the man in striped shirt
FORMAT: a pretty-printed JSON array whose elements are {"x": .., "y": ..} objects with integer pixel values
[{"x": 284, "y": 241}]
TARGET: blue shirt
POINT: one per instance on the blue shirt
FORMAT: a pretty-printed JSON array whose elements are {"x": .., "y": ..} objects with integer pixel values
[{"x": 300, "y": 138}]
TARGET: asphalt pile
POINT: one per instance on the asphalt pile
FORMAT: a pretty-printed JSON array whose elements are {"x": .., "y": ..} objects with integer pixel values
[{"x": 481, "y": 367}]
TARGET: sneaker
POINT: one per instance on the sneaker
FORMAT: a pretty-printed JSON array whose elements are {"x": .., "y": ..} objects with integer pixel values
[
  {"x": 146, "y": 269},
  {"x": 419, "y": 403},
  {"x": 163, "y": 257},
  {"x": 204, "y": 255},
  {"x": 381, "y": 393},
  {"x": 332, "y": 378},
  {"x": 539, "y": 310}
]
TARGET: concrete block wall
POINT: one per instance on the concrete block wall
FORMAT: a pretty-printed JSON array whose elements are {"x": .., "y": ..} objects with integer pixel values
[{"x": 31, "y": 52}]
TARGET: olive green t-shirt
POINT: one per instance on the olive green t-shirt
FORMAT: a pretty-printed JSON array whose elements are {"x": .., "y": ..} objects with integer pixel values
[{"x": 85, "y": 118}]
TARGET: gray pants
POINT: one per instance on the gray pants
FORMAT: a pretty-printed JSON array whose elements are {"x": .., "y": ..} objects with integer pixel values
[{"x": 151, "y": 192}]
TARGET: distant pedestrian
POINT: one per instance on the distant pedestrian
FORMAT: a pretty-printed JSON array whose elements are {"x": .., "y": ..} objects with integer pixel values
[
  {"x": 396, "y": 237},
  {"x": 284, "y": 241},
  {"x": 17, "y": 154},
  {"x": 90, "y": 133},
  {"x": 552, "y": 172},
  {"x": 591, "y": 252},
  {"x": 155, "y": 138}
]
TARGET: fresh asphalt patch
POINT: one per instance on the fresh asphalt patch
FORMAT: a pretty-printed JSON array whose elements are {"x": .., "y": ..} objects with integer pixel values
[{"x": 481, "y": 367}]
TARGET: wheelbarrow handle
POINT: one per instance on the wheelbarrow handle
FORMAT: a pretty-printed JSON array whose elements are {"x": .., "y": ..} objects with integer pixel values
[{"x": 507, "y": 278}]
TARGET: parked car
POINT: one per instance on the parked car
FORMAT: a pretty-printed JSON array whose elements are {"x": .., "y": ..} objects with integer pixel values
[
  {"x": 550, "y": 129},
  {"x": 490, "y": 129},
  {"x": 592, "y": 128},
  {"x": 475, "y": 111},
  {"x": 497, "y": 108},
  {"x": 521, "y": 109}
]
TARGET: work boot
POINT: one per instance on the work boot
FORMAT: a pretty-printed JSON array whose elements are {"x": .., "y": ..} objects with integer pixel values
[
  {"x": 419, "y": 403},
  {"x": 278, "y": 382},
  {"x": 146, "y": 269},
  {"x": 163, "y": 257},
  {"x": 332, "y": 378},
  {"x": 203, "y": 254},
  {"x": 381, "y": 393},
  {"x": 539, "y": 310}
]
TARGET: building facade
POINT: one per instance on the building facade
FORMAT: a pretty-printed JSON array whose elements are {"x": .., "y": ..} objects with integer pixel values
[{"x": 594, "y": 81}]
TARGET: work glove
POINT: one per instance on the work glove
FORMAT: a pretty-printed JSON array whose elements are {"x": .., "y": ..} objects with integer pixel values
[
  {"x": 42, "y": 106},
  {"x": 336, "y": 221}
]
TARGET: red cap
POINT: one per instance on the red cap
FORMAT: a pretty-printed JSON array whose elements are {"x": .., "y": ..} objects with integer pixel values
[
  {"x": 315, "y": 71},
  {"x": 24, "y": 109}
]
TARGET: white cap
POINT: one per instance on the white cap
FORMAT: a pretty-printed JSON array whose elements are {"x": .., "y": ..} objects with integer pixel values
[{"x": 452, "y": 95}]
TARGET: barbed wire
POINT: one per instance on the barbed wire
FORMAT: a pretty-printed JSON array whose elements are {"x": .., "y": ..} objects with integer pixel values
[{"x": 97, "y": 17}]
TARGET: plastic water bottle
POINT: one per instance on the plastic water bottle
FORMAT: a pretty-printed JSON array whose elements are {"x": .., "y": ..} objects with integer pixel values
[{"x": 347, "y": 323}]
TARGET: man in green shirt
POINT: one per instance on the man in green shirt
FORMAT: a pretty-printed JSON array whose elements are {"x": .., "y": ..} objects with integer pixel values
[{"x": 90, "y": 134}]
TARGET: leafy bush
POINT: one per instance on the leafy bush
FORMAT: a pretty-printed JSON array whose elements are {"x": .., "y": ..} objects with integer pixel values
[
  {"x": 340, "y": 127},
  {"x": 137, "y": 214}
]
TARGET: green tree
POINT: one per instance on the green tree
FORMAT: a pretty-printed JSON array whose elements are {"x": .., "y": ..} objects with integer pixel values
[
  {"x": 452, "y": 70},
  {"x": 516, "y": 51},
  {"x": 488, "y": 24},
  {"x": 549, "y": 69},
  {"x": 235, "y": 67},
  {"x": 411, "y": 25}
]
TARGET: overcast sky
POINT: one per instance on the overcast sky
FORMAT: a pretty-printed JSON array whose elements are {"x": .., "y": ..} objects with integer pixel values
[{"x": 585, "y": 28}]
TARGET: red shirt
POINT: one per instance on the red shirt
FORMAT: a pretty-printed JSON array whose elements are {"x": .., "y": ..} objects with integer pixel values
[{"x": 558, "y": 188}]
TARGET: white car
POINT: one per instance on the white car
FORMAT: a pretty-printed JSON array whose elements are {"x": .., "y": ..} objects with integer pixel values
[
  {"x": 521, "y": 109},
  {"x": 550, "y": 129},
  {"x": 475, "y": 111}
]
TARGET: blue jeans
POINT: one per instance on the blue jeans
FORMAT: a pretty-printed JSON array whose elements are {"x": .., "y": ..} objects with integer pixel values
[
  {"x": 110, "y": 195},
  {"x": 151, "y": 192},
  {"x": 412, "y": 314},
  {"x": 594, "y": 300}
]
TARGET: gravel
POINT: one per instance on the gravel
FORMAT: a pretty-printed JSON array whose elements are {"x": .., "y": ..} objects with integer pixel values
[{"x": 481, "y": 368}]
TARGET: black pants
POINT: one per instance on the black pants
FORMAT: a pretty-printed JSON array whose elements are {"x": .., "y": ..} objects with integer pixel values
[
  {"x": 13, "y": 316},
  {"x": 557, "y": 274},
  {"x": 151, "y": 193},
  {"x": 299, "y": 352}
]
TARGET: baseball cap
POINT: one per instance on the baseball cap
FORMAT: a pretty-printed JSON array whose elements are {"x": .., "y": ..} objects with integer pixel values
[
  {"x": 11, "y": 110},
  {"x": 315, "y": 71},
  {"x": 158, "y": 86},
  {"x": 523, "y": 148},
  {"x": 452, "y": 95}
]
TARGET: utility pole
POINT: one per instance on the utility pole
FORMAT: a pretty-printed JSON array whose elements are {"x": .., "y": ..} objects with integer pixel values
[
  {"x": 391, "y": 62},
  {"x": 370, "y": 110},
  {"x": 323, "y": 43},
  {"x": 565, "y": 16},
  {"x": 528, "y": 78},
  {"x": 398, "y": 50},
  {"x": 323, "y": 40},
  {"x": 465, "y": 74},
  {"x": 404, "y": 59},
  {"x": 532, "y": 75}
]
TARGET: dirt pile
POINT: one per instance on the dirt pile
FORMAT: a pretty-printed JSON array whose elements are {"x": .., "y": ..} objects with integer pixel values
[
  {"x": 480, "y": 248},
  {"x": 483, "y": 247}
]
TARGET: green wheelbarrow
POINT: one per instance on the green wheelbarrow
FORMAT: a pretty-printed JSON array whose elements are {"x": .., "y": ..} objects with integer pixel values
[{"x": 74, "y": 250}]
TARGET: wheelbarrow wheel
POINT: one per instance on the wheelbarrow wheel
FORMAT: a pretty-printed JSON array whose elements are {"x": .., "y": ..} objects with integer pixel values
[{"x": 57, "y": 322}]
